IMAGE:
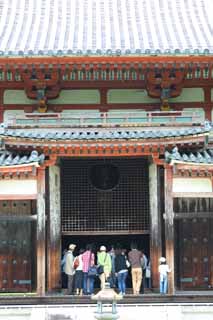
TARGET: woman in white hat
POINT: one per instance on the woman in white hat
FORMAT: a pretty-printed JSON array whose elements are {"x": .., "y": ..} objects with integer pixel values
[
  {"x": 104, "y": 260},
  {"x": 163, "y": 271}
]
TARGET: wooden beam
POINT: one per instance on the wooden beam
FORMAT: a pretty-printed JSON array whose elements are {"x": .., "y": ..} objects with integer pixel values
[
  {"x": 190, "y": 215},
  {"x": 60, "y": 61},
  {"x": 169, "y": 226},
  {"x": 94, "y": 233},
  {"x": 41, "y": 265},
  {"x": 155, "y": 223},
  {"x": 54, "y": 230},
  {"x": 110, "y": 84},
  {"x": 192, "y": 194},
  {"x": 11, "y": 217},
  {"x": 106, "y": 107},
  {"x": 18, "y": 196}
]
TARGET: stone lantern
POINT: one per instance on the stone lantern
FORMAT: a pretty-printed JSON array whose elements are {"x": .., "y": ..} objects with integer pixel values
[{"x": 106, "y": 295}]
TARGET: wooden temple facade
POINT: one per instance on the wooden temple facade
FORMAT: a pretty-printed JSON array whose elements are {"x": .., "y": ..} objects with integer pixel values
[{"x": 101, "y": 140}]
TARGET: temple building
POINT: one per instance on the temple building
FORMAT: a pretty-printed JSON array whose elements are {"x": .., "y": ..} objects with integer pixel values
[{"x": 106, "y": 116}]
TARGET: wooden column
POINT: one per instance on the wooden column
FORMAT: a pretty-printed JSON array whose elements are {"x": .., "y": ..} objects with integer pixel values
[
  {"x": 1, "y": 105},
  {"x": 41, "y": 232},
  {"x": 169, "y": 225},
  {"x": 54, "y": 234},
  {"x": 155, "y": 226},
  {"x": 208, "y": 104}
]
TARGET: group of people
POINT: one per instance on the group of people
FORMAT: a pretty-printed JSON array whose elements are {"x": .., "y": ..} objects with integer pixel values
[{"x": 79, "y": 273}]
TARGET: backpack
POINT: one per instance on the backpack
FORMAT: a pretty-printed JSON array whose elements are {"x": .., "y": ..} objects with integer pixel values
[{"x": 76, "y": 263}]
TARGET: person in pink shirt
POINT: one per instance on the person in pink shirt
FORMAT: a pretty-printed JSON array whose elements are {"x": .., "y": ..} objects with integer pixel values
[{"x": 88, "y": 259}]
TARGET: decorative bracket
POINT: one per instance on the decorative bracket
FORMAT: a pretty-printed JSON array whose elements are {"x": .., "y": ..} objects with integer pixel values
[
  {"x": 164, "y": 84},
  {"x": 41, "y": 85}
]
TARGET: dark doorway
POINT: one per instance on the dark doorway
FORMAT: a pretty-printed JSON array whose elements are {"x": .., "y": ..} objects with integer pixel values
[{"x": 109, "y": 241}]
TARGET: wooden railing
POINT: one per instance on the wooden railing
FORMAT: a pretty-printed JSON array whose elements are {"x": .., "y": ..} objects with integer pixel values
[{"x": 108, "y": 119}]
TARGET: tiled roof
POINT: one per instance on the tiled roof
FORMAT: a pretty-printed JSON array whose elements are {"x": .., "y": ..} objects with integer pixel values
[
  {"x": 104, "y": 134},
  {"x": 11, "y": 159},
  {"x": 105, "y": 27},
  {"x": 202, "y": 157}
]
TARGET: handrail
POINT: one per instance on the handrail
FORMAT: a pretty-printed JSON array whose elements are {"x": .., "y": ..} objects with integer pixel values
[{"x": 106, "y": 118}]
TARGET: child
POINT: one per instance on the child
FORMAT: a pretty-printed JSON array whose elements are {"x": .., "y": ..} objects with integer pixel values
[{"x": 163, "y": 270}]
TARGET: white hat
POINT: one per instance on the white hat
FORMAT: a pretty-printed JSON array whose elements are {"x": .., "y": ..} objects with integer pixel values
[
  {"x": 72, "y": 246},
  {"x": 162, "y": 259},
  {"x": 102, "y": 248}
]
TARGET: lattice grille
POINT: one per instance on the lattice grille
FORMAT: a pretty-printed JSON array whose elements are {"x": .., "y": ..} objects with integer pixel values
[{"x": 125, "y": 208}]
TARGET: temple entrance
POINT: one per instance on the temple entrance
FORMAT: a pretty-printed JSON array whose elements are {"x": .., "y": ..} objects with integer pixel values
[{"x": 105, "y": 202}]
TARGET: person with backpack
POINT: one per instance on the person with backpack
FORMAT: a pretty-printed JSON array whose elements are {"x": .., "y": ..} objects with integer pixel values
[
  {"x": 78, "y": 266},
  {"x": 104, "y": 260}
]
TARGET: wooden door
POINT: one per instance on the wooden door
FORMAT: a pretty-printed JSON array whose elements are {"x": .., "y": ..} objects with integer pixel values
[
  {"x": 195, "y": 253},
  {"x": 16, "y": 246}
]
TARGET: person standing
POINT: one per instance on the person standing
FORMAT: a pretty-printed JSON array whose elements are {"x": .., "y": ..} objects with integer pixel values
[
  {"x": 69, "y": 269},
  {"x": 144, "y": 261},
  {"x": 121, "y": 270},
  {"x": 88, "y": 259},
  {"x": 163, "y": 271},
  {"x": 104, "y": 260},
  {"x": 148, "y": 275},
  {"x": 79, "y": 273},
  {"x": 134, "y": 257},
  {"x": 112, "y": 276},
  {"x": 63, "y": 274}
]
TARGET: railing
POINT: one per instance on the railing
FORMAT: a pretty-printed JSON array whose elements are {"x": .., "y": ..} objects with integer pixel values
[{"x": 108, "y": 119}]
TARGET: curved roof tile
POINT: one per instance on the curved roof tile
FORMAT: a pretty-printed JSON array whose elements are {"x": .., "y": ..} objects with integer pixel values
[
  {"x": 109, "y": 27},
  {"x": 101, "y": 135},
  {"x": 11, "y": 159},
  {"x": 205, "y": 156}
]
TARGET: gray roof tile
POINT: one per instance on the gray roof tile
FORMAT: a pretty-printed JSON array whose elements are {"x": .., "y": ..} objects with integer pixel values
[
  {"x": 205, "y": 156},
  {"x": 127, "y": 27},
  {"x": 11, "y": 159},
  {"x": 109, "y": 134}
]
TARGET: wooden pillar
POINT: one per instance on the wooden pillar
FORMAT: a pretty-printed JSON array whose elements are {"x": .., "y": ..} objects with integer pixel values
[
  {"x": 1, "y": 105},
  {"x": 208, "y": 104},
  {"x": 155, "y": 226},
  {"x": 41, "y": 232},
  {"x": 54, "y": 234},
  {"x": 169, "y": 225}
]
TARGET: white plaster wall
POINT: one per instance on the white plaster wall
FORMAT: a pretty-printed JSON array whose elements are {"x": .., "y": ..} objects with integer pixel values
[
  {"x": 192, "y": 185},
  {"x": 18, "y": 187}
]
